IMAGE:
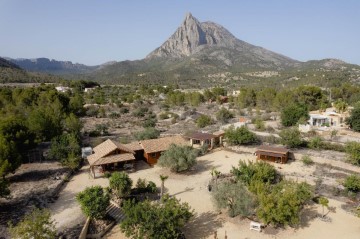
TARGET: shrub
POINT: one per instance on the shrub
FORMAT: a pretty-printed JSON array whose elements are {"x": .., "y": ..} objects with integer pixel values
[
  {"x": 178, "y": 158},
  {"x": 307, "y": 160},
  {"x": 124, "y": 110},
  {"x": 240, "y": 136},
  {"x": 151, "y": 187},
  {"x": 203, "y": 121},
  {"x": 155, "y": 220},
  {"x": 140, "y": 112},
  {"x": 120, "y": 183},
  {"x": 250, "y": 172},
  {"x": 291, "y": 115},
  {"x": 352, "y": 183},
  {"x": 259, "y": 124},
  {"x": 235, "y": 198},
  {"x": 316, "y": 143},
  {"x": 141, "y": 183},
  {"x": 164, "y": 115},
  {"x": 148, "y": 123},
  {"x": 148, "y": 133},
  {"x": 291, "y": 137},
  {"x": 37, "y": 224},
  {"x": 281, "y": 203},
  {"x": 354, "y": 119},
  {"x": 223, "y": 115},
  {"x": 94, "y": 201},
  {"x": 353, "y": 151}
]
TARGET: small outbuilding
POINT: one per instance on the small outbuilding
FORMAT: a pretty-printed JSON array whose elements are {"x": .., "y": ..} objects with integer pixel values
[
  {"x": 109, "y": 156},
  {"x": 199, "y": 138},
  {"x": 273, "y": 154}
]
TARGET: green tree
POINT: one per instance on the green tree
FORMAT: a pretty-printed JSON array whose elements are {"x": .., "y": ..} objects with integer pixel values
[
  {"x": 94, "y": 201},
  {"x": 223, "y": 115},
  {"x": 120, "y": 183},
  {"x": 35, "y": 225},
  {"x": 291, "y": 137},
  {"x": 316, "y": 143},
  {"x": 241, "y": 135},
  {"x": 73, "y": 124},
  {"x": 259, "y": 124},
  {"x": 281, "y": 203},
  {"x": 204, "y": 121},
  {"x": 235, "y": 198},
  {"x": 66, "y": 149},
  {"x": 148, "y": 133},
  {"x": 352, "y": 148},
  {"x": 155, "y": 220},
  {"x": 178, "y": 158},
  {"x": 247, "y": 98},
  {"x": 340, "y": 106},
  {"x": 354, "y": 120},
  {"x": 291, "y": 115},
  {"x": 251, "y": 172}
]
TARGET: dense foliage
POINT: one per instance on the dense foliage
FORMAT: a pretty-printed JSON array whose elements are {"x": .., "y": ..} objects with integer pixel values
[
  {"x": 120, "y": 184},
  {"x": 155, "y": 220},
  {"x": 292, "y": 114},
  {"x": 354, "y": 120},
  {"x": 291, "y": 137},
  {"x": 352, "y": 183},
  {"x": 241, "y": 135},
  {"x": 353, "y": 150},
  {"x": 148, "y": 133},
  {"x": 32, "y": 115},
  {"x": 280, "y": 204},
  {"x": 37, "y": 224},
  {"x": 94, "y": 201},
  {"x": 223, "y": 115},
  {"x": 235, "y": 198},
  {"x": 178, "y": 158},
  {"x": 203, "y": 121}
]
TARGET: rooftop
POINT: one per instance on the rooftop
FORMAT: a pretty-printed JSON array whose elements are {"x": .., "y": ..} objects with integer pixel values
[
  {"x": 200, "y": 136},
  {"x": 272, "y": 149},
  {"x": 162, "y": 144}
]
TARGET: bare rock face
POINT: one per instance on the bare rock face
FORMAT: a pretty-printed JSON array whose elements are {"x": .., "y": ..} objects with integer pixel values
[{"x": 214, "y": 42}]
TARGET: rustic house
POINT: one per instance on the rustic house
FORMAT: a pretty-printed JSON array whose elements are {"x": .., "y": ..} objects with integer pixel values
[
  {"x": 109, "y": 156},
  {"x": 154, "y": 147},
  {"x": 273, "y": 154},
  {"x": 200, "y": 139}
]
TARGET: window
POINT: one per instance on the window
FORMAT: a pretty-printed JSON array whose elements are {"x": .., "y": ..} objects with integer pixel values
[{"x": 153, "y": 155}]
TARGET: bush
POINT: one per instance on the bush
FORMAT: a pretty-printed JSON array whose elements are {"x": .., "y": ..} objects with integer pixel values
[
  {"x": 223, "y": 115},
  {"x": 291, "y": 115},
  {"x": 148, "y": 133},
  {"x": 235, "y": 198},
  {"x": 94, "y": 201},
  {"x": 281, "y": 203},
  {"x": 240, "y": 136},
  {"x": 353, "y": 151},
  {"x": 37, "y": 224},
  {"x": 178, "y": 158},
  {"x": 155, "y": 220},
  {"x": 250, "y": 172},
  {"x": 140, "y": 112},
  {"x": 307, "y": 160},
  {"x": 291, "y": 137},
  {"x": 148, "y": 123},
  {"x": 203, "y": 121},
  {"x": 124, "y": 110},
  {"x": 316, "y": 143},
  {"x": 141, "y": 183},
  {"x": 259, "y": 124},
  {"x": 151, "y": 187},
  {"x": 354, "y": 120},
  {"x": 164, "y": 115},
  {"x": 352, "y": 183},
  {"x": 120, "y": 183}
]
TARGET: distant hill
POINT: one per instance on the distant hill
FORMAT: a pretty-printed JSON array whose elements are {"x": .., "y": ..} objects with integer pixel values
[
  {"x": 201, "y": 54},
  {"x": 46, "y": 65}
]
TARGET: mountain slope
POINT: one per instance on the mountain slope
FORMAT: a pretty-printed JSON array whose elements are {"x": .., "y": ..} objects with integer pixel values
[{"x": 46, "y": 65}]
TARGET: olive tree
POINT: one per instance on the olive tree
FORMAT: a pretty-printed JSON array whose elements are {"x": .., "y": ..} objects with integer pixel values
[
  {"x": 178, "y": 158},
  {"x": 235, "y": 198}
]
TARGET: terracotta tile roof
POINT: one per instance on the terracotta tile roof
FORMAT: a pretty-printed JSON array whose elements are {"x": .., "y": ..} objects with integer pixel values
[
  {"x": 106, "y": 148},
  {"x": 114, "y": 159},
  {"x": 200, "y": 136},
  {"x": 135, "y": 146},
  {"x": 272, "y": 149},
  {"x": 162, "y": 144}
]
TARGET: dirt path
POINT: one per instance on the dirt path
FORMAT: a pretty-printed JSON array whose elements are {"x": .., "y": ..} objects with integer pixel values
[{"x": 66, "y": 211}]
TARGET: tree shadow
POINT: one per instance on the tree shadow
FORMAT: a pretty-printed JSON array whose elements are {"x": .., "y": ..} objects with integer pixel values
[
  {"x": 184, "y": 191},
  {"x": 308, "y": 214},
  {"x": 203, "y": 225},
  {"x": 200, "y": 167},
  {"x": 37, "y": 175}
]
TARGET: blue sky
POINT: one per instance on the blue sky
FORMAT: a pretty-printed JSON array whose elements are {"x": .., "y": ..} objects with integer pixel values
[{"x": 96, "y": 31}]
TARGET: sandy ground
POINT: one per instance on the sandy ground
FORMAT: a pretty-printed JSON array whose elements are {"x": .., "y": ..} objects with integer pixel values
[{"x": 192, "y": 188}]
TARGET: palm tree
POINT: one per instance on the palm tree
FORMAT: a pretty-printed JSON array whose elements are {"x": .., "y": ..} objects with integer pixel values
[
  {"x": 324, "y": 203},
  {"x": 163, "y": 179}
]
